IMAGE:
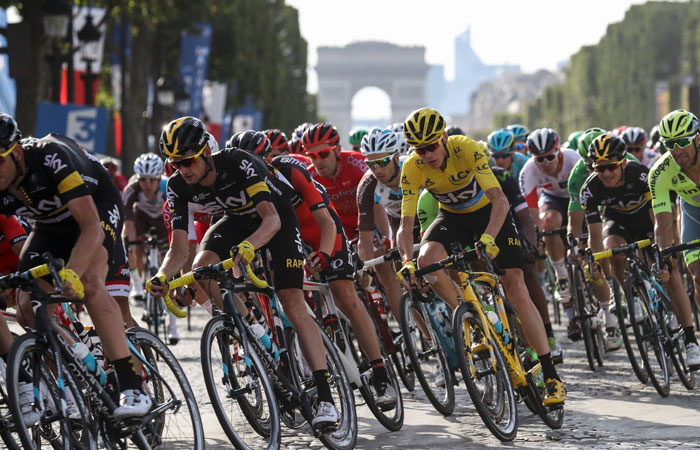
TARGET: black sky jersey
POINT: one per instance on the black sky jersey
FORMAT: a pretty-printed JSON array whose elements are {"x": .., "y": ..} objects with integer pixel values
[
  {"x": 242, "y": 181},
  {"x": 58, "y": 170},
  {"x": 619, "y": 203}
]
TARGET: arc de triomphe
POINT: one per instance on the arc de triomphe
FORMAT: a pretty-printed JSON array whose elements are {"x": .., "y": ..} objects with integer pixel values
[{"x": 342, "y": 71}]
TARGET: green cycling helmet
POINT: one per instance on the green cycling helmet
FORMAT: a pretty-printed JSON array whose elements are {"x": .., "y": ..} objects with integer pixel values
[
  {"x": 356, "y": 136},
  {"x": 678, "y": 123},
  {"x": 585, "y": 139},
  {"x": 572, "y": 141}
]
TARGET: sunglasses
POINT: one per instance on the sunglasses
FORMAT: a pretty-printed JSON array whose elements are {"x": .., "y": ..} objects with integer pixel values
[
  {"x": 148, "y": 179},
  {"x": 379, "y": 163},
  {"x": 683, "y": 142},
  {"x": 430, "y": 148},
  {"x": 187, "y": 162},
  {"x": 551, "y": 157},
  {"x": 8, "y": 151},
  {"x": 321, "y": 154},
  {"x": 520, "y": 146},
  {"x": 603, "y": 167},
  {"x": 502, "y": 155}
]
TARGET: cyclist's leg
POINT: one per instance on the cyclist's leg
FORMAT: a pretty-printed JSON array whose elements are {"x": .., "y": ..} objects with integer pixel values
[
  {"x": 387, "y": 277},
  {"x": 554, "y": 215},
  {"x": 5, "y": 338}
]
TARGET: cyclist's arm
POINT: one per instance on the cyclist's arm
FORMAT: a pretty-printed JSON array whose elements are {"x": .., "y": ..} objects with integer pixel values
[
  {"x": 364, "y": 245},
  {"x": 663, "y": 229},
  {"x": 595, "y": 237},
  {"x": 381, "y": 220},
  {"x": 269, "y": 226},
  {"x": 575, "y": 223},
  {"x": 177, "y": 255},
  {"x": 528, "y": 226},
  {"x": 91, "y": 235},
  {"x": 404, "y": 238},
  {"x": 499, "y": 210},
  {"x": 129, "y": 230},
  {"x": 329, "y": 231}
]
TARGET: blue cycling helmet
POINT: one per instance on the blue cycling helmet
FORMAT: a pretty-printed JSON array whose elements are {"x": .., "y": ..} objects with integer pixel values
[
  {"x": 520, "y": 132},
  {"x": 380, "y": 141},
  {"x": 501, "y": 141}
]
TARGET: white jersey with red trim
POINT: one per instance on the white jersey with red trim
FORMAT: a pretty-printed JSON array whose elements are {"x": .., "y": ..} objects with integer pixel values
[{"x": 533, "y": 179}]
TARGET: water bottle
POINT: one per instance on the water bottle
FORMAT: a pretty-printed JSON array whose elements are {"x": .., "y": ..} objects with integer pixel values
[
  {"x": 260, "y": 333},
  {"x": 496, "y": 322},
  {"x": 82, "y": 352},
  {"x": 444, "y": 318}
]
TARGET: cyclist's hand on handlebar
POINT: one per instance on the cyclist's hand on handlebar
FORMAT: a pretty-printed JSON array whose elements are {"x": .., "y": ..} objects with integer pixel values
[
  {"x": 72, "y": 286},
  {"x": 246, "y": 253},
  {"x": 597, "y": 275},
  {"x": 158, "y": 285},
  {"x": 317, "y": 261},
  {"x": 664, "y": 273},
  {"x": 489, "y": 245},
  {"x": 406, "y": 275}
]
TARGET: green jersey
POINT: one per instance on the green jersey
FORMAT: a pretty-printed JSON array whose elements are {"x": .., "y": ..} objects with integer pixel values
[{"x": 666, "y": 176}]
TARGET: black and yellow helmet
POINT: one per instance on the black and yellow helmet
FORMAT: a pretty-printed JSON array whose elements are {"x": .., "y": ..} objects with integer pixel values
[
  {"x": 607, "y": 147},
  {"x": 183, "y": 135},
  {"x": 423, "y": 126}
]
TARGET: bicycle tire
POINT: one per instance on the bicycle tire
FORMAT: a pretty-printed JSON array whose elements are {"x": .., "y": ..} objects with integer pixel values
[
  {"x": 28, "y": 351},
  {"x": 579, "y": 298},
  {"x": 254, "y": 425},
  {"x": 625, "y": 326},
  {"x": 674, "y": 338},
  {"x": 185, "y": 426},
  {"x": 443, "y": 402},
  {"x": 391, "y": 419},
  {"x": 400, "y": 356},
  {"x": 6, "y": 422},
  {"x": 551, "y": 287},
  {"x": 648, "y": 335},
  {"x": 494, "y": 399}
]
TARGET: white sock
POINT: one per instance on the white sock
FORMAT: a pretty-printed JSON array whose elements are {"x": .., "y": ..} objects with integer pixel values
[
  {"x": 560, "y": 269},
  {"x": 208, "y": 306},
  {"x": 135, "y": 280}
]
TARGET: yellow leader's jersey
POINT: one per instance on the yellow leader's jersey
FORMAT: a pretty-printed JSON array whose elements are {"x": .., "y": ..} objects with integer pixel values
[{"x": 459, "y": 188}]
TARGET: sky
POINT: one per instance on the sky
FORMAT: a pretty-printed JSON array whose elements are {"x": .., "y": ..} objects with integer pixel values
[{"x": 532, "y": 33}]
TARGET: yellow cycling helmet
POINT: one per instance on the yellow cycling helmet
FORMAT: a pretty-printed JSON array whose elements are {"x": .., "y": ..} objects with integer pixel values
[
  {"x": 183, "y": 135},
  {"x": 423, "y": 126}
]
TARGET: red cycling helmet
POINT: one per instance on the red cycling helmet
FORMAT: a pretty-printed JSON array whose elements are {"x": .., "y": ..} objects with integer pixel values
[
  {"x": 278, "y": 140},
  {"x": 319, "y": 134},
  {"x": 294, "y": 146}
]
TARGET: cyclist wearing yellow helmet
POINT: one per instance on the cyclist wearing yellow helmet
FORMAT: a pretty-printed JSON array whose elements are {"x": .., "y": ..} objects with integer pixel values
[{"x": 472, "y": 206}]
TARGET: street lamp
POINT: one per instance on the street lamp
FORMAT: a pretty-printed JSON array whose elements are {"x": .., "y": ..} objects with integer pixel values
[
  {"x": 56, "y": 16},
  {"x": 89, "y": 37}
]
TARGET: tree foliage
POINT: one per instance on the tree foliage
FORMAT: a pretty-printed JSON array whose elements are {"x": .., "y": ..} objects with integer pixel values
[{"x": 613, "y": 83}]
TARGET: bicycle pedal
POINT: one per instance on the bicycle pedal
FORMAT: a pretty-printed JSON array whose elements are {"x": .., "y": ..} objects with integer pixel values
[{"x": 325, "y": 428}]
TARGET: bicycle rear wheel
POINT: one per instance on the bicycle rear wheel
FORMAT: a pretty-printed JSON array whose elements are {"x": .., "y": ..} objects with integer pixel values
[
  {"x": 583, "y": 316},
  {"x": 179, "y": 423},
  {"x": 54, "y": 428},
  {"x": 390, "y": 418},
  {"x": 9, "y": 438},
  {"x": 239, "y": 387},
  {"x": 648, "y": 335},
  {"x": 427, "y": 357},
  {"x": 674, "y": 338},
  {"x": 485, "y": 374}
]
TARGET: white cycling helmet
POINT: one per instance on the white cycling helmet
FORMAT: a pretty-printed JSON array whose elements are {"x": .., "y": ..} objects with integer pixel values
[
  {"x": 213, "y": 144},
  {"x": 148, "y": 165},
  {"x": 378, "y": 142}
]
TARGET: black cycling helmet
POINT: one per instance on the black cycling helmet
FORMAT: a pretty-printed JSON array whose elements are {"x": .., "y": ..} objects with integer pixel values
[
  {"x": 454, "y": 130},
  {"x": 183, "y": 135},
  {"x": 542, "y": 140},
  {"x": 9, "y": 133},
  {"x": 251, "y": 141},
  {"x": 607, "y": 147}
]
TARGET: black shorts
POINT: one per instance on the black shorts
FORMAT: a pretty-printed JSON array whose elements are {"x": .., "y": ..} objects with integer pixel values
[
  {"x": 285, "y": 246},
  {"x": 467, "y": 228},
  {"x": 560, "y": 204},
  {"x": 340, "y": 267},
  {"x": 632, "y": 228},
  {"x": 59, "y": 239}
]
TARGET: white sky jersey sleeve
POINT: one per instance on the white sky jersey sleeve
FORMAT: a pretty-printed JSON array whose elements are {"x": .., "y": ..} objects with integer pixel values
[{"x": 533, "y": 179}]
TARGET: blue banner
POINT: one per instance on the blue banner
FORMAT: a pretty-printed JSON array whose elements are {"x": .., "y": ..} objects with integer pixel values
[
  {"x": 86, "y": 125},
  {"x": 194, "y": 60}
]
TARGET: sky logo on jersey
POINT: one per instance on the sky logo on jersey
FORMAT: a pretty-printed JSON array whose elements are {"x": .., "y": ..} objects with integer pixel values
[
  {"x": 54, "y": 162},
  {"x": 114, "y": 216},
  {"x": 247, "y": 167}
]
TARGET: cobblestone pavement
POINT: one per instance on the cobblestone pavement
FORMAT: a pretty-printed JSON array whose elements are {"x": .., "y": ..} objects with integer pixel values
[{"x": 608, "y": 409}]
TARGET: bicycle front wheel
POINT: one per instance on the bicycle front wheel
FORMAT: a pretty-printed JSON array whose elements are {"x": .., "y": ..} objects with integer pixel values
[
  {"x": 485, "y": 374},
  {"x": 427, "y": 357},
  {"x": 178, "y": 425},
  {"x": 623, "y": 321},
  {"x": 239, "y": 387},
  {"x": 55, "y": 426},
  {"x": 648, "y": 335},
  {"x": 581, "y": 303}
]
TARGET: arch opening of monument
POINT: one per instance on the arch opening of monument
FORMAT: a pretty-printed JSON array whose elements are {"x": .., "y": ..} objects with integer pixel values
[{"x": 371, "y": 107}]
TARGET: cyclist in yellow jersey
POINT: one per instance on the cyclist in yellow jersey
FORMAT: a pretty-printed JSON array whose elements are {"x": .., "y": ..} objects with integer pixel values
[{"x": 472, "y": 206}]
